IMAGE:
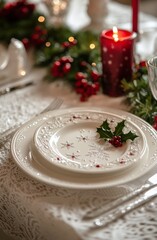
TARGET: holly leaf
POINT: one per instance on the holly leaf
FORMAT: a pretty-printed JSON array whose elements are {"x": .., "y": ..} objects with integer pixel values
[
  {"x": 119, "y": 128},
  {"x": 127, "y": 136},
  {"x": 105, "y": 125},
  {"x": 105, "y": 131}
]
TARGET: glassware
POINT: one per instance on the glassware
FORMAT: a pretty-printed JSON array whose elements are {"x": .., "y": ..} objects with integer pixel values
[
  {"x": 152, "y": 75},
  {"x": 146, "y": 46},
  {"x": 58, "y": 10}
]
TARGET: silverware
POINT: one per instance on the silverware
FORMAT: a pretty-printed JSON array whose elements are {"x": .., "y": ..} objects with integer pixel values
[
  {"x": 55, "y": 104},
  {"x": 118, "y": 208},
  {"x": 13, "y": 87}
]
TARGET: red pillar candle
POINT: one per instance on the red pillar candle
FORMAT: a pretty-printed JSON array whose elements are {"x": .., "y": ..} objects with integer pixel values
[{"x": 117, "y": 59}]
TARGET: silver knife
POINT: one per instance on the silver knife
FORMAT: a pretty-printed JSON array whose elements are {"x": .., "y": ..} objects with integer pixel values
[
  {"x": 122, "y": 210},
  {"x": 13, "y": 87}
]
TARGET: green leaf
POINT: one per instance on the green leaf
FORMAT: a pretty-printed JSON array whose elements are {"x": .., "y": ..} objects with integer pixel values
[
  {"x": 105, "y": 125},
  {"x": 105, "y": 131},
  {"x": 119, "y": 128},
  {"x": 127, "y": 136}
]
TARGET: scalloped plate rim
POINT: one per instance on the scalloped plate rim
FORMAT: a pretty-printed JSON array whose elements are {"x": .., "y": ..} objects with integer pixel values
[{"x": 31, "y": 169}]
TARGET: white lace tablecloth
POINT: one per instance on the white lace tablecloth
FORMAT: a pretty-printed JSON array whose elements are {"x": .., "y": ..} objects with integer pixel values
[{"x": 30, "y": 210}]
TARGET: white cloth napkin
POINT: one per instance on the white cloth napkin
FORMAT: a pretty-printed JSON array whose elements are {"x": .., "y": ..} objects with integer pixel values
[{"x": 15, "y": 65}]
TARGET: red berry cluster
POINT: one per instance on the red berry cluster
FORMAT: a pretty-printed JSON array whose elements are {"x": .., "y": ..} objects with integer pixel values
[
  {"x": 39, "y": 36},
  {"x": 155, "y": 122},
  {"x": 26, "y": 43},
  {"x": 17, "y": 10},
  {"x": 62, "y": 66},
  {"x": 116, "y": 141},
  {"x": 142, "y": 64},
  {"x": 87, "y": 85},
  {"x": 69, "y": 44}
]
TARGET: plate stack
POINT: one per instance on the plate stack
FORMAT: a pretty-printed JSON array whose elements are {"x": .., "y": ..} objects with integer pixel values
[{"x": 63, "y": 148}]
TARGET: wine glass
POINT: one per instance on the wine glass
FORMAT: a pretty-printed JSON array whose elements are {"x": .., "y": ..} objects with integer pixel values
[
  {"x": 58, "y": 10},
  {"x": 152, "y": 75}
]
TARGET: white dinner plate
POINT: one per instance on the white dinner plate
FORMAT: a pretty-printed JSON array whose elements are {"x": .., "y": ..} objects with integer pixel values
[
  {"x": 70, "y": 142},
  {"x": 21, "y": 152}
]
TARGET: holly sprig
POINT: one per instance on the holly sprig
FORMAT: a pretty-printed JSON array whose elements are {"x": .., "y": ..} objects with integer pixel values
[{"x": 116, "y": 137}]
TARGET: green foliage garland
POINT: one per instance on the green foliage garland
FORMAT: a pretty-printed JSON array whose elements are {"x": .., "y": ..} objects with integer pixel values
[
  {"x": 48, "y": 47},
  {"x": 139, "y": 96},
  {"x": 17, "y": 20}
]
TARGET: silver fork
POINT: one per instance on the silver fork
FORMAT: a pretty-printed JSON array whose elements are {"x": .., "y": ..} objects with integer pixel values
[
  {"x": 55, "y": 104},
  {"x": 108, "y": 213}
]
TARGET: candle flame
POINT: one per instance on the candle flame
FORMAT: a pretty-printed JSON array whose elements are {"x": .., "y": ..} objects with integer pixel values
[{"x": 115, "y": 34}]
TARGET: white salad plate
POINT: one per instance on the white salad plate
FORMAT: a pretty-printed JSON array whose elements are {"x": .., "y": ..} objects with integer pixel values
[
  {"x": 75, "y": 173},
  {"x": 70, "y": 142}
]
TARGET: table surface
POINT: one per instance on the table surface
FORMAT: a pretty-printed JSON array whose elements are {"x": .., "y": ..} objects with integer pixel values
[{"x": 33, "y": 210}]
